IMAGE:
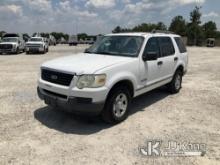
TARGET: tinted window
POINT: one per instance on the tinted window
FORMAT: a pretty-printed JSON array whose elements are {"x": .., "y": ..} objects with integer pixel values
[
  {"x": 152, "y": 46},
  {"x": 180, "y": 44},
  {"x": 166, "y": 46}
]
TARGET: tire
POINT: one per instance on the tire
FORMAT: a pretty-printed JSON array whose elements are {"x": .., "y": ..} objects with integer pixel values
[
  {"x": 117, "y": 105},
  {"x": 27, "y": 52},
  {"x": 17, "y": 51},
  {"x": 44, "y": 51},
  {"x": 176, "y": 84},
  {"x": 47, "y": 50}
]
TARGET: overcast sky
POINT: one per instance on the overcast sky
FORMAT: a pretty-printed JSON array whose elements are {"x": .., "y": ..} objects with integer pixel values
[{"x": 96, "y": 16}]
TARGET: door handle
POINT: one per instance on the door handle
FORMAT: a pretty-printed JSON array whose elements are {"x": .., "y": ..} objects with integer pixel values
[
  {"x": 176, "y": 59},
  {"x": 160, "y": 63}
]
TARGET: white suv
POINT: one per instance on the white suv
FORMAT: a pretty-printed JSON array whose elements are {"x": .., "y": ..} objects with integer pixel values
[{"x": 105, "y": 78}]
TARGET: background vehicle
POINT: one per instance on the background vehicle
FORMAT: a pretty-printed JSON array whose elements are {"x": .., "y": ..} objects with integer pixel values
[
  {"x": 89, "y": 41},
  {"x": 52, "y": 40},
  {"x": 12, "y": 43},
  {"x": 73, "y": 40},
  {"x": 210, "y": 42},
  {"x": 99, "y": 37},
  {"x": 112, "y": 71},
  {"x": 62, "y": 41},
  {"x": 37, "y": 44}
]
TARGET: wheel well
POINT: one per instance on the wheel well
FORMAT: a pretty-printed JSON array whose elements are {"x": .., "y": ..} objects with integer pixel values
[
  {"x": 125, "y": 83},
  {"x": 180, "y": 68}
]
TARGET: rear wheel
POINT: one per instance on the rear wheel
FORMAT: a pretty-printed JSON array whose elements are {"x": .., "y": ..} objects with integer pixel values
[
  {"x": 176, "y": 84},
  {"x": 117, "y": 105}
]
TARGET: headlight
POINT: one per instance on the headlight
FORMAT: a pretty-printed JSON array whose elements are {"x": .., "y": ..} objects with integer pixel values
[{"x": 91, "y": 81}]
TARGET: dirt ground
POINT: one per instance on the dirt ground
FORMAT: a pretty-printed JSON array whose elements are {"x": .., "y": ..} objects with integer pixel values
[{"x": 32, "y": 133}]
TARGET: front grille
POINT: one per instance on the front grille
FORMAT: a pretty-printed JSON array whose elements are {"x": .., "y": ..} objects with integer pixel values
[
  {"x": 6, "y": 46},
  {"x": 56, "y": 77}
]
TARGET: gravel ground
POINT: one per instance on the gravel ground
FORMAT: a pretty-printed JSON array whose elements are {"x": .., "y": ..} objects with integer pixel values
[{"x": 32, "y": 133}]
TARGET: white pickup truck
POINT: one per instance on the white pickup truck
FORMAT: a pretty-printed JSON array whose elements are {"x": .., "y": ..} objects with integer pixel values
[
  {"x": 119, "y": 67},
  {"x": 37, "y": 44},
  {"x": 11, "y": 43}
]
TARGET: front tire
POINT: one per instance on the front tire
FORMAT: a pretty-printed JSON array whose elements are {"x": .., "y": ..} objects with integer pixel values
[
  {"x": 44, "y": 51},
  {"x": 117, "y": 105},
  {"x": 17, "y": 51},
  {"x": 176, "y": 84}
]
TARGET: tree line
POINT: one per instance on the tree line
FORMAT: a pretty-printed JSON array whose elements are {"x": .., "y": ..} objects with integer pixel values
[{"x": 194, "y": 30}]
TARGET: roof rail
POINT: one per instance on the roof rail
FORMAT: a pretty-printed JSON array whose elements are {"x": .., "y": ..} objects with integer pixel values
[{"x": 162, "y": 31}]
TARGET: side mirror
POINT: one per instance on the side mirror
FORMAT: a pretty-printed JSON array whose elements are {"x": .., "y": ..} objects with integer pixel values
[{"x": 150, "y": 56}]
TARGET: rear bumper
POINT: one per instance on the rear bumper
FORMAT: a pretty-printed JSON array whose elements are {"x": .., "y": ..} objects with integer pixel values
[{"x": 75, "y": 105}]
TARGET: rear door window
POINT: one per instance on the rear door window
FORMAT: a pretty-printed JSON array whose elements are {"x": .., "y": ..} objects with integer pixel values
[
  {"x": 166, "y": 46},
  {"x": 180, "y": 44}
]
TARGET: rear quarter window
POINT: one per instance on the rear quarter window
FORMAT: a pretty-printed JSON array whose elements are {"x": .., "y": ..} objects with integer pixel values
[{"x": 180, "y": 44}]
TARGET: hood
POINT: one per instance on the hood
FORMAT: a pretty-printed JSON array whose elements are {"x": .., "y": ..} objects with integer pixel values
[
  {"x": 84, "y": 63},
  {"x": 12, "y": 43}
]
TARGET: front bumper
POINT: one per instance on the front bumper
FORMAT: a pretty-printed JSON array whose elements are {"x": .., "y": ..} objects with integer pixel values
[
  {"x": 71, "y": 104},
  {"x": 34, "y": 49},
  {"x": 7, "y": 50}
]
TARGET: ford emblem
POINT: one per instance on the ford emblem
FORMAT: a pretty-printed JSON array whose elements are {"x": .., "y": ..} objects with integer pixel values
[{"x": 54, "y": 77}]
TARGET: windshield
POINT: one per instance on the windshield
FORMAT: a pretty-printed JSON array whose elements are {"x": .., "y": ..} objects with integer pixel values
[
  {"x": 9, "y": 40},
  {"x": 118, "y": 46},
  {"x": 35, "y": 39}
]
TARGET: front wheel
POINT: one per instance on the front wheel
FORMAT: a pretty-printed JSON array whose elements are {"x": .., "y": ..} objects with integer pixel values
[
  {"x": 117, "y": 105},
  {"x": 44, "y": 51},
  {"x": 17, "y": 51},
  {"x": 176, "y": 84}
]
